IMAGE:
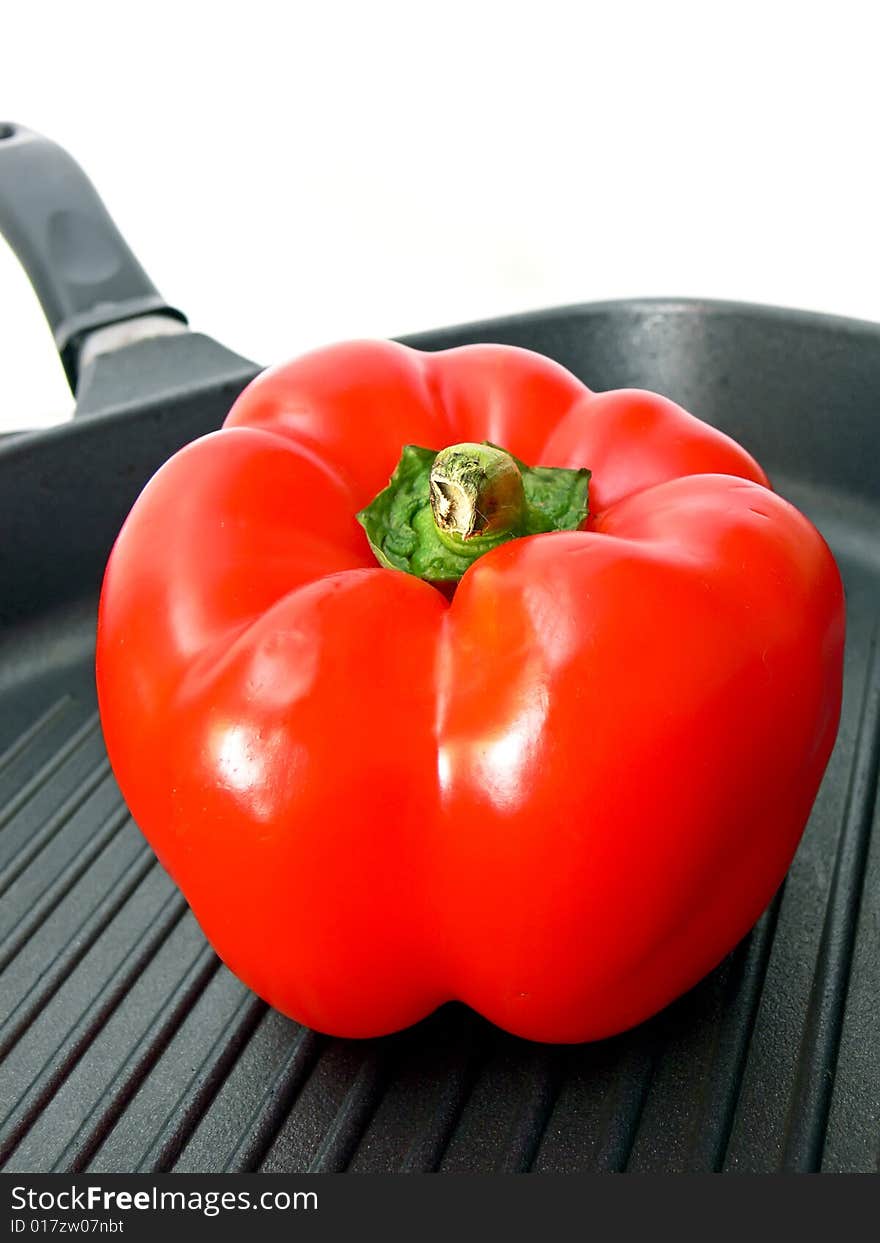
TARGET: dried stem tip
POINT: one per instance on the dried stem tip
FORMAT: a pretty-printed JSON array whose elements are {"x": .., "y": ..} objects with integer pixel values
[{"x": 476, "y": 490}]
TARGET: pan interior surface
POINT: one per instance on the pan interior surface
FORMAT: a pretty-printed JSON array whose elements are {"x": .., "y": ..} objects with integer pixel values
[{"x": 125, "y": 1044}]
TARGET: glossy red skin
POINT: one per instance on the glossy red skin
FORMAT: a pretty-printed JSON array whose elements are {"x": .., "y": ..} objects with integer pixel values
[{"x": 561, "y": 797}]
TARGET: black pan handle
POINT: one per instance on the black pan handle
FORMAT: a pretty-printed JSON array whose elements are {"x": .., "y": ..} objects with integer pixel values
[{"x": 78, "y": 262}]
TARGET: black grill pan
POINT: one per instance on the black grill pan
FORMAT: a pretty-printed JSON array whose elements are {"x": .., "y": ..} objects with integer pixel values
[{"x": 125, "y": 1045}]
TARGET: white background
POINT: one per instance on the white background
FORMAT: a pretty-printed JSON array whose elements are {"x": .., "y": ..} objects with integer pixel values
[{"x": 294, "y": 173}]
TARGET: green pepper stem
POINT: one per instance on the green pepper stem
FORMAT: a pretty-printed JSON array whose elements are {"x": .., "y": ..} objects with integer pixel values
[
  {"x": 476, "y": 491},
  {"x": 441, "y": 511}
]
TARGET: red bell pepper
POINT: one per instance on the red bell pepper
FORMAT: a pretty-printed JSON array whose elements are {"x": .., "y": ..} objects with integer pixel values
[{"x": 560, "y": 791}]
